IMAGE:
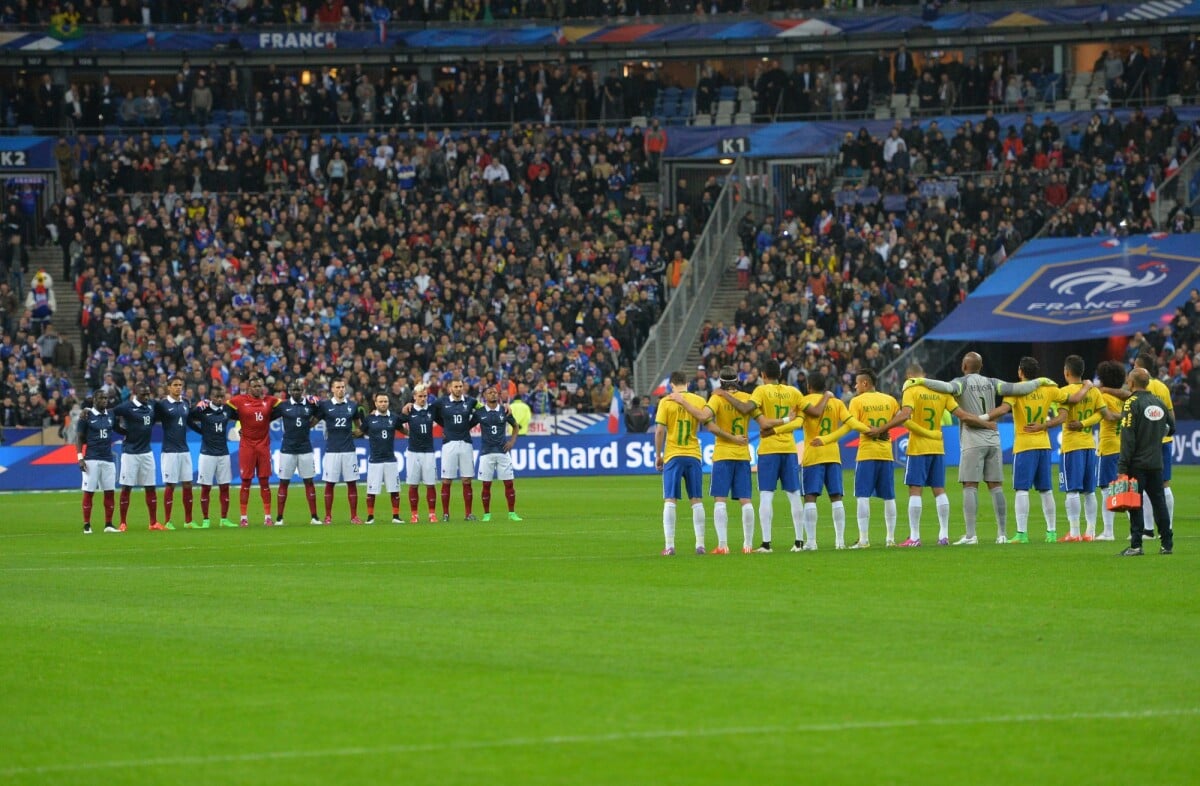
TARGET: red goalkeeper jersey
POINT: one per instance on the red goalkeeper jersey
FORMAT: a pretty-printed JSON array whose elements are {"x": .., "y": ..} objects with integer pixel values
[{"x": 255, "y": 416}]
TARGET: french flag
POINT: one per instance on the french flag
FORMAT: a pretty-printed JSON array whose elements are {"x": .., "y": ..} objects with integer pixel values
[
  {"x": 1149, "y": 191},
  {"x": 614, "y": 413}
]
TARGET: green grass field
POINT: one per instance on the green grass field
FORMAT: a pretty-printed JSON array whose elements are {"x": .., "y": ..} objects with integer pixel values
[{"x": 564, "y": 650}]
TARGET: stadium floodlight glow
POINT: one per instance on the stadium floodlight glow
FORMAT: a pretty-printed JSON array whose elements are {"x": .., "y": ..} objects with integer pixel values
[
  {"x": 1121, "y": 317},
  {"x": 725, "y": 161}
]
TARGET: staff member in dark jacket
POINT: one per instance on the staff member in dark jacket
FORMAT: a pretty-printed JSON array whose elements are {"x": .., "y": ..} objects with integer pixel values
[{"x": 1145, "y": 421}]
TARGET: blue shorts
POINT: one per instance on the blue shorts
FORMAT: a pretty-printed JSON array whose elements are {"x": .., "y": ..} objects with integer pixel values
[
  {"x": 778, "y": 469},
  {"x": 1108, "y": 470},
  {"x": 875, "y": 478},
  {"x": 1167, "y": 455},
  {"x": 928, "y": 471},
  {"x": 1077, "y": 471},
  {"x": 730, "y": 478},
  {"x": 818, "y": 476},
  {"x": 1031, "y": 469},
  {"x": 685, "y": 471}
]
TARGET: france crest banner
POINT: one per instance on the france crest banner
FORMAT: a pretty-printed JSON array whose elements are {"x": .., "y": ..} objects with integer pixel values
[{"x": 1079, "y": 288}]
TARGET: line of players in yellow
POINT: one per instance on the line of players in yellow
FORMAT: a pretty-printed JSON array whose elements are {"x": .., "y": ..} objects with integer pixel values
[{"x": 1037, "y": 405}]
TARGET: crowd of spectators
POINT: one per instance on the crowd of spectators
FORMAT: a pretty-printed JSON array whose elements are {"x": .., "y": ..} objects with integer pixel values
[
  {"x": 352, "y": 14},
  {"x": 853, "y": 275},
  {"x": 528, "y": 256},
  {"x": 224, "y": 95}
]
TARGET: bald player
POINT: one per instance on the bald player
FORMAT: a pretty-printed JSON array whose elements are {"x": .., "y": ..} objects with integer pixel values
[{"x": 982, "y": 457}]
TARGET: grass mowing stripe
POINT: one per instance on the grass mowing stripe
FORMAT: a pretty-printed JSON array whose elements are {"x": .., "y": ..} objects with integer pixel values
[{"x": 598, "y": 739}]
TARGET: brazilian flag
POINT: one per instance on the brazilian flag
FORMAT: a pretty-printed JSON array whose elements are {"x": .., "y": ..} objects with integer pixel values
[{"x": 65, "y": 26}]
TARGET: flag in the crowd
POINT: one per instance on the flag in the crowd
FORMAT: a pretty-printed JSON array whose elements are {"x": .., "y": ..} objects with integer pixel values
[
  {"x": 382, "y": 14},
  {"x": 1149, "y": 191},
  {"x": 1158, "y": 235},
  {"x": 663, "y": 388},
  {"x": 1112, "y": 242},
  {"x": 560, "y": 37},
  {"x": 614, "y": 413}
]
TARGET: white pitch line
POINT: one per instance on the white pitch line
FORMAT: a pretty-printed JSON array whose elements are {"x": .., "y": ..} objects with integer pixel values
[{"x": 590, "y": 739}]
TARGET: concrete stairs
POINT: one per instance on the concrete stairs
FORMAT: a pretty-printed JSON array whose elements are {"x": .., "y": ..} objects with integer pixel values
[
  {"x": 724, "y": 305},
  {"x": 66, "y": 318}
]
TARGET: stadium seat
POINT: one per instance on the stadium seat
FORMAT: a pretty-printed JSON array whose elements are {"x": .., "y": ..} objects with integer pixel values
[
  {"x": 25, "y": 130},
  {"x": 1062, "y": 105},
  {"x": 882, "y": 113},
  {"x": 899, "y": 101},
  {"x": 638, "y": 121},
  {"x": 727, "y": 93},
  {"x": 743, "y": 119},
  {"x": 237, "y": 118},
  {"x": 701, "y": 120},
  {"x": 903, "y": 113},
  {"x": 220, "y": 118},
  {"x": 1078, "y": 92},
  {"x": 745, "y": 94},
  {"x": 726, "y": 107},
  {"x": 1174, "y": 99},
  {"x": 722, "y": 119}
]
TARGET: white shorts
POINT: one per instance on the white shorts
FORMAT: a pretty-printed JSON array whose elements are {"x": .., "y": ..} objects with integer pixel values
[
  {"x": 385, "y": 475},
  {"x": 495, "y": 466},
  {"x": 458, "y": 460},
  {"x": 421, "y": 469},
  {"x": 100, "y": 476},
  {"x": 339, "y": 467},
  {"x": 293, "y": 463},
  {"x": 137, "y": 469},
  {"x": 177, "y": 467},
  {"x": 215, "y": 470}
]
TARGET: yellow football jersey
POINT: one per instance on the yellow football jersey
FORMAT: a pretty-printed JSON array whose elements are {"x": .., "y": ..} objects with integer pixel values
[
  {"x": 732, "y": 422},
  {"x": 835, "y": 412},
  {"x": 1032, "y": 408},
  {"x": 927, "y": 408},
  {"x": 874, "y": 409},
  {"x": 777, "y": 402},
  {"x": 682, "y": 429},
  {"x": 1157, "y": 387},
  {"x": 1093, "y": 401},
  {"x": 1110, "y": 430}
]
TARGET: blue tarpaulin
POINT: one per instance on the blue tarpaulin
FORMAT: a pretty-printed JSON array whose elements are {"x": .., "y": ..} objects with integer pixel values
[{"x": 1079, "y": 288}]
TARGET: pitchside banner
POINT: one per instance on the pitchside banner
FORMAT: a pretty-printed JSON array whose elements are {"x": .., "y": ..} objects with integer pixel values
[
  {"x": 1079, "y": 289},
  {"x": 31, "y": 468}
]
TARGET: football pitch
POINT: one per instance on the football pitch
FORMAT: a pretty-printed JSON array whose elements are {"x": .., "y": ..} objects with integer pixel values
[{"x": 564, "y": 649}]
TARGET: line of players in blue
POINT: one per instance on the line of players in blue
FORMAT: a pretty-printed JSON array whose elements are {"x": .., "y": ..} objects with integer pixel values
[{"x": 344, "y": 421}]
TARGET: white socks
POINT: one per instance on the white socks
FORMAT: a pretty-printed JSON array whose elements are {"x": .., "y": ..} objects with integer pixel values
[
  {"x": 1108, "y": 517},
  {"x": 796, "y": 502},
  {"x": 669, "y": 524},
  {"x": 748, "y": 525},
  {"x": 765, "y": 513},
  {"x": 863, "y": 515},
  {"x": 721, "y": 522},
  {"x": 1170, "y": 504},
  {"x": 1074, "y": 507},
  {"x": 1050, "y": 510},
  {"x": 914, "y": 518},
  {"x": 810, "y": 523},
  {"x": 1089, "y": 513},
  {"x": 889, "y": 517},
  {"x": 698, "y": 522},
  {"x": 839, "y": 525},
  {"x": 942, "y": 503},
  {"x": 1021, "y": 506}
]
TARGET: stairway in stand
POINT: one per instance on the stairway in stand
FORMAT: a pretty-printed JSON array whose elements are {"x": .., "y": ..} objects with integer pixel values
[
  {"x": 724, "y": 306},
  {"x": 66, "y": 317}
]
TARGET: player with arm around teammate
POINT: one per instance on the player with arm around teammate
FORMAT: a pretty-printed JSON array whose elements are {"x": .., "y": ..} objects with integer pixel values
[
  {"x": 1031, "y": 450},
  {"x": 211, "y": 421},
  {"x": 981, "y": 457},
  {"x": 1078, "y": 462},
  {"x": 383, "y": 473},
  {"x": 340, "y": 463},
  {"x": 419, "y": 458},
  {"x": 134, "y": 420},
  {"x": 175, "y": 460},
  {"x": 93, "y": 450},
  {"x": 297, "y": 414},
  {"x": 677, "y": 456},
  {"x": 926, "y": 463},
  {"x": 494, "y": 448},
  {"x": 1111, "y": 376}
]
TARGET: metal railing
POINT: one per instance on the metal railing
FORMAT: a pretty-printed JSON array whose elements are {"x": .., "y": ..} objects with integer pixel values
[
  {"x": 1176, "y": 191},
  {"x": 747, "y": 187}
]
